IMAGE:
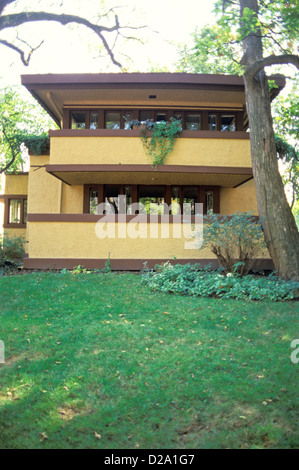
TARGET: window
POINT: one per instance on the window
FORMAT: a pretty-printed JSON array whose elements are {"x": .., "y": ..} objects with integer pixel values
[
  {"x": 94, "y": 120},
  {"x": 209, "y": 202},
  {"x": 190, "y": 197},
  {"x": 78, "y": 120},
  {"x": 228, "y": 122},
  {"x": 212, "y": 122},
  {"x": 193, "y": 122},
  {"x": 152, "y": 197},
  {"x": 16, "y": 211},
  {"x": 93, "y": 201},
  {"x": 175, "y": 200},
  {"x": 112, "y": 120}
]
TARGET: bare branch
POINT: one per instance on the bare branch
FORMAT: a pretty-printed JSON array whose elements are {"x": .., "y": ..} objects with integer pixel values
[
  {"x": 4, "y": 3},
  {"x": 271, "y": 60},
  {"x": 11, "y": 21},
  {"x": 24, "y": 59}
]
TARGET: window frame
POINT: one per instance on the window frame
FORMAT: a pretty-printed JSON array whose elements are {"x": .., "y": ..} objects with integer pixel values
[{"x": 7, "y": 199}]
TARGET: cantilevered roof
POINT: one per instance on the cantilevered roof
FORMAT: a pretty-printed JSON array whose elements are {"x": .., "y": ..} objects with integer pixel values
[{"x": 57, "y": 91}]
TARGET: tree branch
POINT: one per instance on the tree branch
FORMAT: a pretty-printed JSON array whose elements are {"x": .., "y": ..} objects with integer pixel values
[
  {"x": 24, "y": 59},
  {"x": 14, "y": 154},
  {"x": 4, "y": 3},
  {"x": 13, "y": 20},
  {"x": 255, "y": 68}
]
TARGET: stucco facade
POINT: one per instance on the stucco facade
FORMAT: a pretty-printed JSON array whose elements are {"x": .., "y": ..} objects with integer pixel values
[{"x": 94, "y": 157}]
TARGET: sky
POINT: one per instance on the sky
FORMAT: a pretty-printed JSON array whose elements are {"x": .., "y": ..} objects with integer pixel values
[{"x": 74, "y": 49}]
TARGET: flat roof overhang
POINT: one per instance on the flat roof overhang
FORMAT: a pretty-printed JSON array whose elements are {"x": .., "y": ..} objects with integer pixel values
[
  {"x": 57, "y": 91},
  {"x": 74, "y": 175}
]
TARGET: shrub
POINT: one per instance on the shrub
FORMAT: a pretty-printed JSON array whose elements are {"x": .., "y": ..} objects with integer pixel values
[
  {"x": 235, "y": 240},
  {"x": 11, "y": 249},
  {"x": 196, "y": 281}
]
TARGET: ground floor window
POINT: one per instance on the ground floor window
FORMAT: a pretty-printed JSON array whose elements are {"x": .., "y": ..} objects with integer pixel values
[
  {"x": 155, "y": 199},
  {"x": 15, "y": 211}
]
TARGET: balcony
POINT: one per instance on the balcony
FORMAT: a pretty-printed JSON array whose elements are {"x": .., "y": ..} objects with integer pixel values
[{"x": 106, "y": 156}]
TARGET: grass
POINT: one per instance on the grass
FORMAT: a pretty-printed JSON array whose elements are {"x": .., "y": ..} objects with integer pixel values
[{"x": 100, "y": 361}]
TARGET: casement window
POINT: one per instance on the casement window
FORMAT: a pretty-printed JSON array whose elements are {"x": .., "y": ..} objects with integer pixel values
[
  {"x": 112, "y": 120},
  {"x": 222, "y": 122},
  {"x": 153, "y": 198},
  {"x": 15, "y": 212},
  {"x": 115, "y": 119},
  {"x": 78, "y": 120},
  {"x": 192, "y": 122}
]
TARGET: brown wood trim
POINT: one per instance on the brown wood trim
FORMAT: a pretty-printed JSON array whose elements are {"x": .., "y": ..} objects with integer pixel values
[
  {"x": 134, "y": 78},
  {"x": 222, "y": 170},
  {"x": 6, "y": 198},
  {"x": 93, "y": 218},
  {"x": 136, "y": 133},
  {"x": 125, "y": 264}
]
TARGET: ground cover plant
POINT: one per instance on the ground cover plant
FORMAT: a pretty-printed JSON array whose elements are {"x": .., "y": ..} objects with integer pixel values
[
  {"x": 97, "y": 360},
  {"x": 204, "y": 282}
]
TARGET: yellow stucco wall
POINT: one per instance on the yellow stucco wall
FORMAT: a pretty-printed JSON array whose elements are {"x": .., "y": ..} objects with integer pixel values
[
  {"x": 16, "y": 184},
  {"x": 72, "y": 199},
  {"x": 79, "y": 240},
  {"x": 129, "y": 150},
  {"x": 44, "y": 190},
  {"x": 242, "y": 199}
]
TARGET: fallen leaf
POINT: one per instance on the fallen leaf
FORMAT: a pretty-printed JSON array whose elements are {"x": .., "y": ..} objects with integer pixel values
[{"x": 43, "y": 437}]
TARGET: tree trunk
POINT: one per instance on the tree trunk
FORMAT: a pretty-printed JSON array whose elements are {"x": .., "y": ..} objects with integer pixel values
[{"x": 280, "y": 230}]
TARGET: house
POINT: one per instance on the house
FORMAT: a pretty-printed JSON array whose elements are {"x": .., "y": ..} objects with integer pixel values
[{"x": 96, "y": 156}]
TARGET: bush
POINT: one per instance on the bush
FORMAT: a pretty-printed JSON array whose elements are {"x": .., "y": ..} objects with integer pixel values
[
  {"x": 196, "y": 281},
  {"x": 235, "y": 240},
  {"x": 11, "y": 249}
]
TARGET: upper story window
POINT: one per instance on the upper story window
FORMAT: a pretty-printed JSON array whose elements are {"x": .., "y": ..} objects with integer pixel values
[
  {"x": 78, "y": 120},
  {"x": 193, "y": 122},
  {"x": 112, "y": 120},
  {"x": 124, "y": 119}
]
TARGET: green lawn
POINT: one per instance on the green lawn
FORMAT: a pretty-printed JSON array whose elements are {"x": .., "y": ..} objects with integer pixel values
[{"x": 100, "y": 361}]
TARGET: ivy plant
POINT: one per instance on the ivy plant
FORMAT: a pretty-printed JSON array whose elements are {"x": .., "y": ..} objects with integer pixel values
[{"x": 158, "y": 138}]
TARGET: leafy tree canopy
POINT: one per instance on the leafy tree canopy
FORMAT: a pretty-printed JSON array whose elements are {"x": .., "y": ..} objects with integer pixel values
[{"x": 22, "y": 124}]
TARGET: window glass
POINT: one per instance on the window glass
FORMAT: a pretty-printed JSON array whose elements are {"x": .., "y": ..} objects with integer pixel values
[
  {"x": 94, "y": 120},
  {"x": 112, "y": 120},
  {"x": 209, "y": 202},
  {"x": 190, "y": 197},
  {"x": 152, "y": 197},
  {"x": 175, "y": 200},
  {"x": 228, "y": 122},
  {"x": 111, "y": 198},
  {"x": 129, "y": 120},
  {"x": 193, "y": 122},
  {"x": 78, "y": 120},
  {"x": 212, "y": 122},
  {"x": 145, "y": 116},
  {"x": 128, "y": 194},
  {"x": 14, "y": 211},
  {"x": 24, "y": 211},
  {"x": 93, "y": 201},
  {"x": 161, "y": 117}
]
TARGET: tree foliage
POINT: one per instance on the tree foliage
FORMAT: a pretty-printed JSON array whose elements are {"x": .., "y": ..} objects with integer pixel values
[
  {"x": 22, "y": 123},
  {"x": 213, "y": 51}
]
